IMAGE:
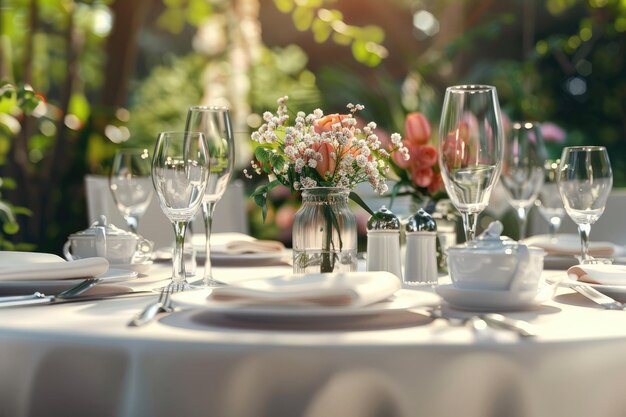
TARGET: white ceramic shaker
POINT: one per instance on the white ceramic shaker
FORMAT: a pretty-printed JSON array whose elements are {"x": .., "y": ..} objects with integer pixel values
[
  {"x": 420, "y": 266},
  {"x": 383, "y": 242}
]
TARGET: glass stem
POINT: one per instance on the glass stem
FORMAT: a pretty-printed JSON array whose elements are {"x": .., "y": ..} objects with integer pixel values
[
  {"x": 469, "y": 224},
  {"x": 208, "y": 208},
  {"x": 555, "y": 224},
  {"x": 584, "y": 230},
  {"x": 178, "y": 264},
  {"x": 522, "y": 218},
  {"x": 132, "y": 223}
]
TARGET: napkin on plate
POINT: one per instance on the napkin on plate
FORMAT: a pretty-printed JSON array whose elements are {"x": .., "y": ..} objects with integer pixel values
[
  {"x": 346, "y": 289},
  {"x": 239, "y": 247},
  {"x": 569, "y": 244},
  {"x": 25, "y": 266},
  {"x": 603, "y": 274}
]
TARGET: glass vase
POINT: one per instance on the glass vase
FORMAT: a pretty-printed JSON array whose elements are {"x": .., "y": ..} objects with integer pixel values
[{"x": 324, "y": 232}]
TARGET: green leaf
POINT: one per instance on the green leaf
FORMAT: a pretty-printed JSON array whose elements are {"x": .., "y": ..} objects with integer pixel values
[
  {"x": 321, "y": 30},
  {"x": 284, "y": 6},
  {"x": 10, "y": 228},
  {"x": 262, "y": 154},
  {"x": 355, "y": 197},
  {"x": 302, "y": 18},
  {"x": 277, "y": 162}
]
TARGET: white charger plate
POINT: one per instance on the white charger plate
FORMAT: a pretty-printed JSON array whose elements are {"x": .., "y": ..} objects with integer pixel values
[
  {"x": 618, "y": 291},
  {"x": 57, "y": 285},
  {"x": 403, "y": 300},
  {"x": 493, "y": 300}
]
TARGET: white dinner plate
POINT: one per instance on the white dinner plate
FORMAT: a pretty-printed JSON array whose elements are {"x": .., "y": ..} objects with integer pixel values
[
  {"x": 485, "y": 300},
  {"x": 50, "y": 286},
  {"x": 246, "y": 257},
  {"x": 402, "y": 300}
]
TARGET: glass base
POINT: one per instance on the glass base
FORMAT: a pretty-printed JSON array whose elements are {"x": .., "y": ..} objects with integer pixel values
[
  {"x": 209, "y": 283},
  {"x": 595, "y": 261}
]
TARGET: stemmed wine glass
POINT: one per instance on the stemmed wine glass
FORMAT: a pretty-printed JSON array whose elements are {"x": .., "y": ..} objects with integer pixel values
[
  {"x": 522, "y": 169},
  {"x": 131, "y": 184},
  {"x": 214, "y": 123},
  {"x": 470, "y": 149},
  {"x": 585, "y": 179},
  {"x": 180, "y": 170},
  {"x": 549, "y": 201}
]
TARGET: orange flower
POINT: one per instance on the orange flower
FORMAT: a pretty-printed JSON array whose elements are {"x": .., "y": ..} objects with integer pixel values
[
  {"x": 417, "y": 128},
  {"x": 327, "y": 163},
  {"x": 436, "y": 184},
  {"x": 325, "y": 124}
]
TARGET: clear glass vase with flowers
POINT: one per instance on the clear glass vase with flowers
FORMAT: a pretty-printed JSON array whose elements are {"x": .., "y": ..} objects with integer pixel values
[{"x": 324, "y": 157}]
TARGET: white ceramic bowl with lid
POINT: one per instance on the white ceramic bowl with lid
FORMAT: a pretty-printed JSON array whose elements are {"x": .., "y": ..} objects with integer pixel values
[
  {"x": 107, "y": 241},
  {"x": 492, "y": 262}
]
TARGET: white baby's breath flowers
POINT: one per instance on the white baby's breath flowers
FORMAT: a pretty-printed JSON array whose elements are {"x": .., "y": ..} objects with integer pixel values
[{"x": 320, "y": 150}]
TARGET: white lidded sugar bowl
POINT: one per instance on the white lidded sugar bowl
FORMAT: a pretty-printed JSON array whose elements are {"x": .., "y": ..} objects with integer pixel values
[
  {"x": 108, "y": 241},
  {"x": 494, "y": 262}
]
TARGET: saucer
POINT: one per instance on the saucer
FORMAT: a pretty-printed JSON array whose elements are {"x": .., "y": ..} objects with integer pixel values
[{"x": 493, "y": 300}]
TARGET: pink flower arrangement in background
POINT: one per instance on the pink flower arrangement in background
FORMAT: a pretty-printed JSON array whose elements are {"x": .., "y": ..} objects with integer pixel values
[{"x": 421, "y": 171}]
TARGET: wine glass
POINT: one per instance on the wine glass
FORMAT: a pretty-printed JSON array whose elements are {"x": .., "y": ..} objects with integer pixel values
[
  {"x": 215, "y": 123},
  {"x": 131, "y": 184},
  {"x": 522, "y": 169},
  {"x": 470, "y": 149},
  {"x": 180, "y": 171},
  {"x": 585, "y": 180},
  {"x": 549, "y": 201}
]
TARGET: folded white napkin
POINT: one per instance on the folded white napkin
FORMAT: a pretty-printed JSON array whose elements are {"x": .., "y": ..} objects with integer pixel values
[
  {"x": 569, "y": 244},
  {"x": 24, "y": 266},
  {"x": 348, "y": 289},
  {"x": 604, "y": 274},
  {"x": 239, "y": 247}
]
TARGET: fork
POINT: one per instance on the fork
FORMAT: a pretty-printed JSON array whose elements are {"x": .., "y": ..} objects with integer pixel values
[
  {"x": 162, "y": 305},
  {"x": 597, "y": 297}
]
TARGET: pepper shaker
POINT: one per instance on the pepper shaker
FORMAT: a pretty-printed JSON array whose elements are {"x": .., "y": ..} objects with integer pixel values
[
  {"x": 420, "y": 265},
  {"x": 383, "y": 242}
]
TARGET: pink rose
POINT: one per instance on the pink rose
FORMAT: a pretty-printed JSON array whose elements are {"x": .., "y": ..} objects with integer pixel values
[{"x": 416, "y": 128}]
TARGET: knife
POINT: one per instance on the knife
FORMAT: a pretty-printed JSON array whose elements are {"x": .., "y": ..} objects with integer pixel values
[
  {"x": 523, "y": 328},
  {"x": 33, "y": 299}
]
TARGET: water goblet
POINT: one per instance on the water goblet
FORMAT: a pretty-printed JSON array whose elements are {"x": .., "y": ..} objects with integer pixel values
[
  {"x": 130, "y": 183},
  {"x": 471, "y": 148},
  {"x": 585, "y": 180},
  {"x": 522, "y": 169},
  {"x": 214, "y": 123},
  {"x": 180, "y": 171},
  {"x": 549, "y": 203}
]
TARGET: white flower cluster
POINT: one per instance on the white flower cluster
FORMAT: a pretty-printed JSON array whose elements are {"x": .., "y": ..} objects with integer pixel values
[{"x": 323, "y": 150}]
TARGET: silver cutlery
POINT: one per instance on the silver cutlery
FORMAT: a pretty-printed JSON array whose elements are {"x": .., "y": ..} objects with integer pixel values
[
  {"x": 42, "y": 299},
  {"x": 597, "y": 297},
  {"x": 162, "y": 305},
  {"x": 494, "y": 320}
]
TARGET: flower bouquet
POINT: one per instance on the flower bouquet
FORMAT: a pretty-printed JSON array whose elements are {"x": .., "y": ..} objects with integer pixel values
[
  {"x": 419, "y": 176},
  {"x": 324, "y": 157}
]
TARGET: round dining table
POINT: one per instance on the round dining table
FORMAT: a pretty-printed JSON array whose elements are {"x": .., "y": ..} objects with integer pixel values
[{"x": 82, "y": 359}]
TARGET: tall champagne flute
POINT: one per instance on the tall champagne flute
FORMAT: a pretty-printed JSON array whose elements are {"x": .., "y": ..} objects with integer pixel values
[
  {"x": 471, "y": 143},
  {"x": 180, "y": 171},
  {"x": 549, "y": 201},
  {"x": 131, "y": 184},
  {"x": 522, "y": 169},
  {"x": 215, "y": 123},
  {"x": 585, "y": 180}
]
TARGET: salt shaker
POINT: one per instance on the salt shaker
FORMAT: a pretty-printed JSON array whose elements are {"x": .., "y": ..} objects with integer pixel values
[
  {"x": 383, "y": 242},
  {"x": 420, "y": 265}
]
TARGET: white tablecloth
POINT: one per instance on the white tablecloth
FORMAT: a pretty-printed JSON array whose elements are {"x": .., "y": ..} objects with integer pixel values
[{"x": 81, "y": 359}]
